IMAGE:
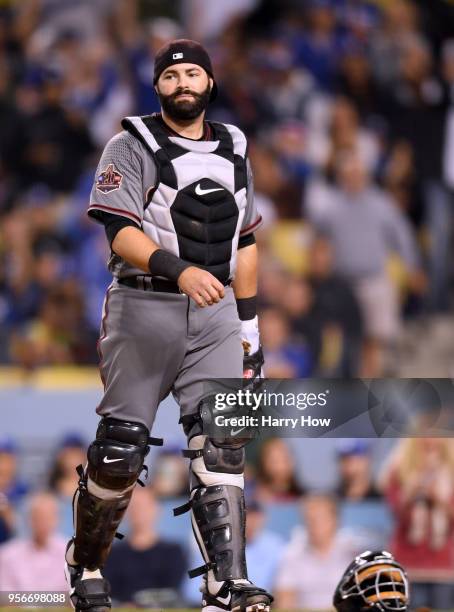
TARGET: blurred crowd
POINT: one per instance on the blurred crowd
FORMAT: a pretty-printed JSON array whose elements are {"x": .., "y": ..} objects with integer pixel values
[
  {"x": 299, "y": 538},
  {"x": 349, "y": 110}
]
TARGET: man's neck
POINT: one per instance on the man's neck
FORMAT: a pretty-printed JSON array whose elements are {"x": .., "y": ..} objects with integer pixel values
[
  {"x": 40, "y": 543},
  {"x": 322, "y": 549},
  {"x": 143, "y": 540},
  {"x": 358, "y": 488},
  {"x": 188, "y": 129}
]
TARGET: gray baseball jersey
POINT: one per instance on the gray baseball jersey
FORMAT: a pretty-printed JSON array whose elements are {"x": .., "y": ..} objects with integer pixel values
[{"x": 192, "y": 198}]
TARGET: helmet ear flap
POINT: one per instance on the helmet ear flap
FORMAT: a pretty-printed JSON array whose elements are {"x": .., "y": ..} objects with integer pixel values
[{"x": 346, "y": 596}]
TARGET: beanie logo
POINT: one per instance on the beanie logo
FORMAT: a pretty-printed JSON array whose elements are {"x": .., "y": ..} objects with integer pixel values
[{"x": 177, "y": 56}]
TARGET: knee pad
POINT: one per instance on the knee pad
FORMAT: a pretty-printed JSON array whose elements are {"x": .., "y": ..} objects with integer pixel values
[
  {"x": 212, "y": 465},
  {"x": 214, "y": 461},
  {"x": 115, "y": 460},
  {"x": 224, "y": 459},
  {"x": 201, "y": 423},
  {"x": 116, "y": 457}
]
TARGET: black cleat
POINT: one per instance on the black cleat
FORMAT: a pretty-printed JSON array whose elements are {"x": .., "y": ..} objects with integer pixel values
[
  {"x": 91, "y": 593},
  {"x": 236, "y": 597}
]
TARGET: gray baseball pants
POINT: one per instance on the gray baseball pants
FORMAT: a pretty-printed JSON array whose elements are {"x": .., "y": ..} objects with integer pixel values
[{"x": 153, "y": 344}]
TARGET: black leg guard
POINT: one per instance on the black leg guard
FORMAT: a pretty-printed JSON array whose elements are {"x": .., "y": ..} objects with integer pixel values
[
  {"x": 115, "y": 460},
  {"x": 218, "y": 521},
  {"x": 220, "y": 517}
]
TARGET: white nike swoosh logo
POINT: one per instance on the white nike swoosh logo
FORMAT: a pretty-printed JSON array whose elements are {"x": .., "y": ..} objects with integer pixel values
[
  {"x": 234, "y": 432},
  {"x": 106, "y": 460},
  {"x": 200, "y": 191}
]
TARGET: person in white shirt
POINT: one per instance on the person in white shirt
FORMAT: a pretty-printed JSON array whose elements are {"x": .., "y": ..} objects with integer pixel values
[
  {"x": 315, "y": 558},
  {"x": 34, "y": 563}
]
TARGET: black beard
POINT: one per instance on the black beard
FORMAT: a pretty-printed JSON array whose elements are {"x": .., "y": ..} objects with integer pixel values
[{"x": 185, "y": 110}]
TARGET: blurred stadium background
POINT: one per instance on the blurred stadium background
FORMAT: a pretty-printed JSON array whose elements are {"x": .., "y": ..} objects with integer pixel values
[{"x": 349, "y": 110}]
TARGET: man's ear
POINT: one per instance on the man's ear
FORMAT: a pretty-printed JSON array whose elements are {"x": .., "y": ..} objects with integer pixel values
[{"x": 210, "y": 81}]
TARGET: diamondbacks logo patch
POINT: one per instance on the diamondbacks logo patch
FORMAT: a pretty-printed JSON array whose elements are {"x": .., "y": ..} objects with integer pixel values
[{"x": 109, "y": 180}]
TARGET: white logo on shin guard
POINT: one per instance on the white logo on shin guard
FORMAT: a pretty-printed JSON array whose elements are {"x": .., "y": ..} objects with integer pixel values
[
  {"x": 235, "y": 432},
  {"x": 106, "y": 460}
]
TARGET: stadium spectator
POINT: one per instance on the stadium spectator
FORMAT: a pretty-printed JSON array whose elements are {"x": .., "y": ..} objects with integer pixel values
[
  {"x": 169, "y": 474},
  {"x": 10, "y": 483},
  {"x": 7, "y": 515},
  {"x": 354, "y": 461},
  {"x": 286, "y": 356},
  {"x": 46, "y": 17},
  {"x": 419, "y": 485},
  {"x": 7, "y": 519},
  {"x": 317, "y": 47},
  {"x": 276, "y": 479},
  {"x": 34, "y": 563},
  {"x": 12, "y": 489},
  {"x": 51, "y": 145},
  {"x": 144, "y": 569},
  {"x": 336, "y": 310},
  {"x": 448, "y": 150},
  {"x": 289, "y": 142},
  {"x": 324, "y": 313},
  {"x": 273, "y": 280},
  {"x": 259, "y": 541},
  {"x": 59, "y": 334},
  {"x": 419, "y": 98},
  {"x": 271, "y": 180},
  {"x": 347, "y": 134},
  {"x": 63, "y": 477},
  {"x": 448, "y": 159},
  {"x": 140, "y": 53},
  {"x": 287, "y": 89},
  {"x": 399, "y": 179},
  {"x": 314, "y": 558},
  {"x": 357, "y": 83},
  {"x": 297, "y": 302},
  {"x": 364, "y": 226},
  {"x": 400, "y": 20}
]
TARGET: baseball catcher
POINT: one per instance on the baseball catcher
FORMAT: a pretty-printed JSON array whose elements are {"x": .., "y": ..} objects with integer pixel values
[{"x": 175, "y": 195}]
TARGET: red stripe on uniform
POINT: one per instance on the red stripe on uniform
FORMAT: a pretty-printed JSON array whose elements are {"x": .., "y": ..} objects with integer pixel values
[
  {"x": 123, "y": 213},
  {"x": 102, "y": 336},
  {"x": 252, "y": 227}
]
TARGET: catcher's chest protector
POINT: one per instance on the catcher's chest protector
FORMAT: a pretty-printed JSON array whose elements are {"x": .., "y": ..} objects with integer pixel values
[{"x": 196, "y": 208}]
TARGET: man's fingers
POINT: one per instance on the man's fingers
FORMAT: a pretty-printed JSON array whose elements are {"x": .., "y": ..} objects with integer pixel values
[
  {"x": 199, "y": 299},
  {"x": 219, "y": 288},
  {"x": 206, "y": 295},
  {"x": 206, "y": 290},
  {"x": 215, "y": 297}
]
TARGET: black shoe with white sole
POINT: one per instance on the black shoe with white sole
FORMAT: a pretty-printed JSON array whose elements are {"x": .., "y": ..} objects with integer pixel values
[
  {"x": 89, "y": 591},
  {"x": 241, "y": 596}
]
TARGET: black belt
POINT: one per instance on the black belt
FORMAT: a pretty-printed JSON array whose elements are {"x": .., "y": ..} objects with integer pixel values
[{"x": 148, "y": 283}]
